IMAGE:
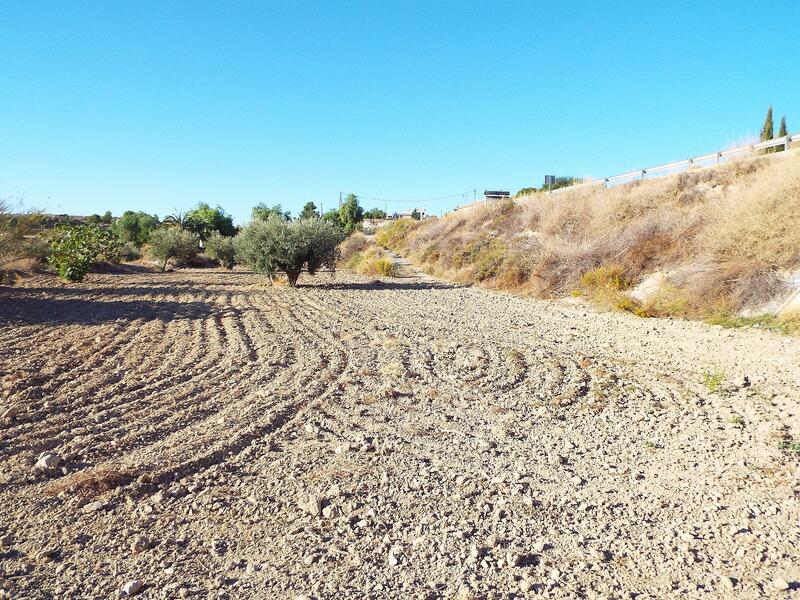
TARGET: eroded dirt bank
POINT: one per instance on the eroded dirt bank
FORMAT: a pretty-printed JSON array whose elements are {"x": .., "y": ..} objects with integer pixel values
[{"x": 221, "y": 438}]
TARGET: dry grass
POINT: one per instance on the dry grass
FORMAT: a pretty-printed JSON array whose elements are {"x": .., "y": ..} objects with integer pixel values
[
  {"x": 726, "y": 236},
  {"x": 91, "y": 482}
]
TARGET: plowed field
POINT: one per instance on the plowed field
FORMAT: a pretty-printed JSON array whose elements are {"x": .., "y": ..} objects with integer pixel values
[{"x": 222, "y": 438}]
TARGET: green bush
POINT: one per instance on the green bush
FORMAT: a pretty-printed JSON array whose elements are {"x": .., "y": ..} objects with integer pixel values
[
  {"x": 171, "y": 243},
  {"x": 221, "y": 249},
  {"x": 76, "y": 248},
  {"x": 274, "y": 245},
  {"x": 134, "y": 227}
]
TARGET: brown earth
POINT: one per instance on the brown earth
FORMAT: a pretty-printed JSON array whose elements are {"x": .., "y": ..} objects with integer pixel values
[{"x": 407, "y": 439}]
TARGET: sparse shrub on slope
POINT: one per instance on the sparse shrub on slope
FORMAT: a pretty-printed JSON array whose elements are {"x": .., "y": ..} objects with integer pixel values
[
  {"x": 394, "y": 236},
  {"x": 171, "y": 243},
  {"x": 355, "y": 243},
  {"x": 17, "y": 239},
  {"x": 359, "y": 254},
  {"x": 273, "y": 245},
  {"x": 221, "y": 248},
  {"x": 75, "y": 249},
  {"x": 725, "y": 235}
]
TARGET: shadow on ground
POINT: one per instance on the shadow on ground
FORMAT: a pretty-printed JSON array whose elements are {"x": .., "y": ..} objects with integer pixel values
[
  {"x": 384, "y": 284},
  {"x": 23, "y": 309}
]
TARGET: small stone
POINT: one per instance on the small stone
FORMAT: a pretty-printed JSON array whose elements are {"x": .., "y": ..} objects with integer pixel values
[
  {"x": 9, "y": 413},
  {"x": 95, "y": 506},
  {"x": 48, "y": 460},
  {"x": 394, "y": 557},
  {"x": 133, "y": 587},
  {"x": 728, "y": 582},
  {"x": 314, "y": 505},
  {"x": 330, "y": 512},
  {"x": 47, "y": 553},
  {"x": 7, "y": 541},
  {"x": 140, "y": 543},
  {"x": 779, "y": 583},
  {"x": 525, "y": 586}
]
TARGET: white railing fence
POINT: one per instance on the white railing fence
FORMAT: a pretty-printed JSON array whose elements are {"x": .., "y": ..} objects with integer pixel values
[{"x": 706, "y": 160}]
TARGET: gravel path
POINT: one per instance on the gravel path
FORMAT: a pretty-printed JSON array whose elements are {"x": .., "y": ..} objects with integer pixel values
[{"x": 199, "y": 434}]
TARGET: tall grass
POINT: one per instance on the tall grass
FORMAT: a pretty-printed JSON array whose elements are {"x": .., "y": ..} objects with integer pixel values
[{"x": 725, "y": 236}]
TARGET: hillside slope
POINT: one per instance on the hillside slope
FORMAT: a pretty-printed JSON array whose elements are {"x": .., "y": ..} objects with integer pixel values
[{"x": 709, "y": 243}]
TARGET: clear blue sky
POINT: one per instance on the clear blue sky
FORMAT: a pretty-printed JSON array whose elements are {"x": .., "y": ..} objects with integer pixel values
[{"x": 159, "y": 105}]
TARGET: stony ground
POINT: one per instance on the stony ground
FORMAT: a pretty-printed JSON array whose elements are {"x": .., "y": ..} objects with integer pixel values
[{"x": 199, "y": 434}]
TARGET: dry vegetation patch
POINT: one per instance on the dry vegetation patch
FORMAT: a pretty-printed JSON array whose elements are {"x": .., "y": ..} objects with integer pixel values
[{"x": 726, "y": 237}]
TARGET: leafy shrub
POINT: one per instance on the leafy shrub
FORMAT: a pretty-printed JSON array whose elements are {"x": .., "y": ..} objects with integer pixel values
[
  {"x": 76, "y": 248},
  {"x": 130, "y": 251},
  {"x": 222, "y": 249},
  {"x": 170, "y": 243},
  {"x": 274, "y": 245}
]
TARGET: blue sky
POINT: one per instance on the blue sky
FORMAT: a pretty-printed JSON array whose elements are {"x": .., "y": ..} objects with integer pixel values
[{"x": 159, "y": 105}]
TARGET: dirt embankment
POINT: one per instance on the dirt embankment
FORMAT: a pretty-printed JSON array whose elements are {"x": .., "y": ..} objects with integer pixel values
[
  {"x": 215, "y": 437},
  {"x": 707, "y": 244}
]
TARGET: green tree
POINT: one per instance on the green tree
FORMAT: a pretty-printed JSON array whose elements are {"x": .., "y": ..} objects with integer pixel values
[
  {"x": 262, "y": 212},
  {"x": 95, "y": 219},
  {"x": 204, "y": 220},
  {"x": 375, "y": 213},
  {"x": 332, "y": 216},
  {"x": 415, "y": 214},
  {"x": 77, "y": 248},
  {"x": 221, "y": 249},
  {"x": 168, "y": 243},
  {"x": 107, "y": 217},
  {"x": 767, "y": 130},
  {"x": 350, "y": 213},
  {"x": 309, "y": 211},
  {"x": 275, "y": 245},
  {"x": 134, "y": 227},
  {"x": 782, "y": 132}
]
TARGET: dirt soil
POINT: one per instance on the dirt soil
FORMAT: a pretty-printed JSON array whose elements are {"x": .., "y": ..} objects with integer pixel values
[{"x": 218, "y": 438}]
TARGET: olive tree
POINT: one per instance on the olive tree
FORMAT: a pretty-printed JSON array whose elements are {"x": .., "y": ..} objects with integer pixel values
[
  {"x": 172, "y": 243},
  {"x": 274, "y": 245},
  {"x": 221, "y": 248}
]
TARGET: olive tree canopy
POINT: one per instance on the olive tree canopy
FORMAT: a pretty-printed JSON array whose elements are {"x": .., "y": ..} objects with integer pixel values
[{"x": 274, "y": 245}]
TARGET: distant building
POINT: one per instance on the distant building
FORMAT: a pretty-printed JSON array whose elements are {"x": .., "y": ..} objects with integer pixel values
[{"x": 492, "y": 195}]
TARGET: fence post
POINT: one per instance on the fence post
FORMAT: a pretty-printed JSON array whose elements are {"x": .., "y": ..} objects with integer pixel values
[
  {"x": 719, "y": 157},
  {"x": 787, "y": 142},
  {"x": 605, "y": 183},
  {"x": 643, "y": 173}
]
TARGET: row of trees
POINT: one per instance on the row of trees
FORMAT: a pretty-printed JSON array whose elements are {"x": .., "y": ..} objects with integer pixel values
[
  {"x": 272, "y": 242},
  {"x": 136, "y": 227},
  {"x": 768, "y": 130},
  {"x": 348, "y": 216}
]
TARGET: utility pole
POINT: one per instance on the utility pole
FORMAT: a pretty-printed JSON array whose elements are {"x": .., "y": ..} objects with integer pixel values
[{"x": 340, "y": 199}]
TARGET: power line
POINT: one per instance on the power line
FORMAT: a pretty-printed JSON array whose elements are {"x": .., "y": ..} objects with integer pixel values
[{"x": 419, "y": 201}]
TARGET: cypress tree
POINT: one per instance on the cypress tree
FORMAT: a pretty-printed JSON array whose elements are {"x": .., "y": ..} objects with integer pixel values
[
  {"x": 782, "y": 131},
  {"x": 767, "y": 131}
]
